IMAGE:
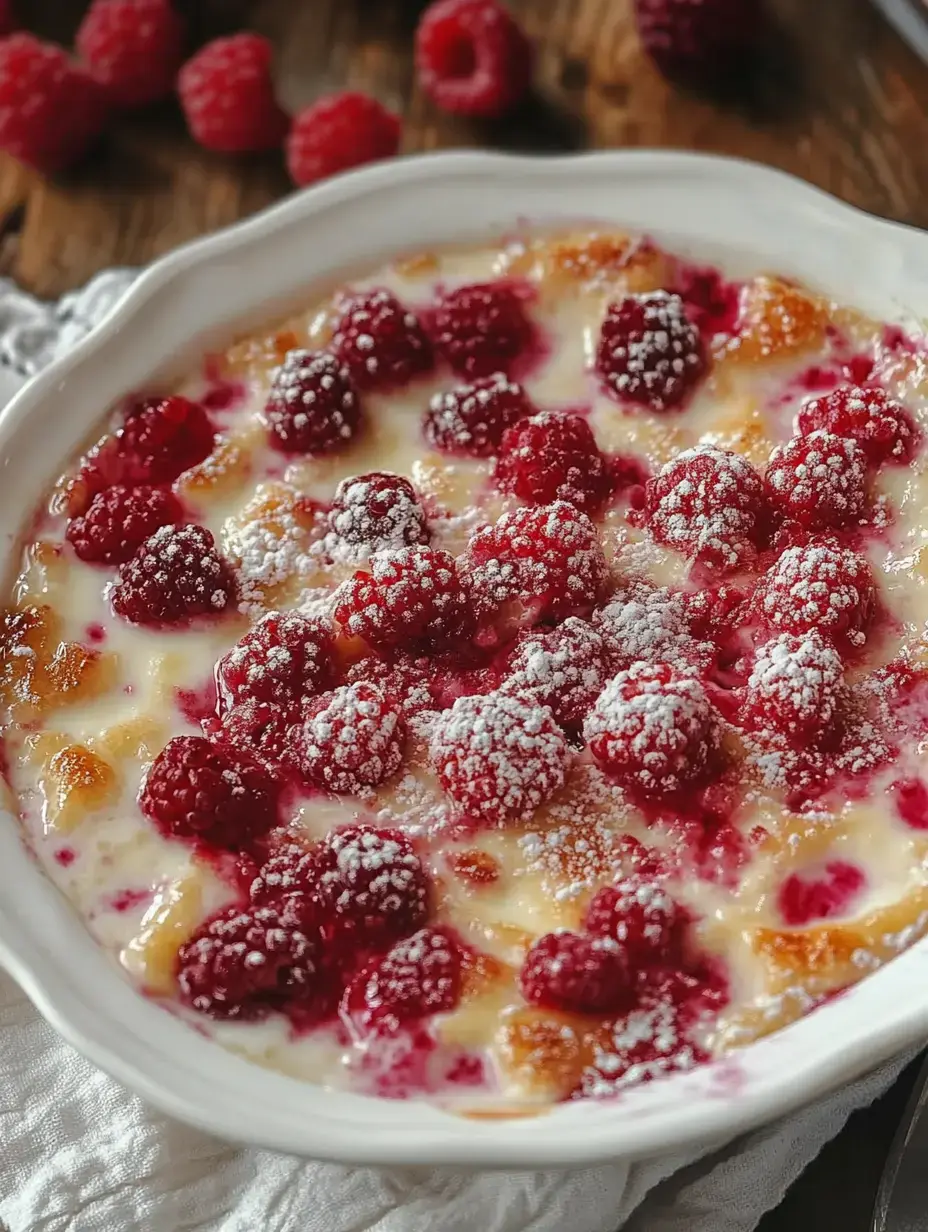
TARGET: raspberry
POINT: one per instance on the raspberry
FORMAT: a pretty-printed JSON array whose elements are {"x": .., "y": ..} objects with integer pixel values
[
  {"x": 584, "y": 975},
  {"x": 175, "y": 576},
  {"x": 707, "y": 503},
  {"x": 377, "y": 512},
  {"x": 641, "y": 916},
  {"x": 350, "y": 739},
  {"x": 472, "y": 58},
  {"x": 283, "y": 659},
  {"x": 793, "y": 687},
  {"x": 313, "y": 405},
  {"x": 471, "y": 419},
  {"x": 649, "y": 351},
  {"x": 550, "y": 457},
  {"x": 51, "y": 110},
  {"x": 261, "y": 729},
  {"x": 563, "y": 669},
  {"x": 161, "y": 438},
  {"x": 651, "y": 624},
  {"x": 118, "y": 521},
  {"x": 228, "y": 96},
  {"x": 412, "y": 595},
  {"x": 338, "y": 132},
  {"x": 820, "y": 586},
  {"x": 420, "y": 975},
  {"x": 699, "y": 42},
  {"x": 132, "y": 48},
  {"x": 803, "y": 901},
  {"x": 482, "y": 328},
  {"x": 547, "y": 558},
  {"x": 880, "y": 425},
  {"x": 246, "y": 964},
  {"x": 653, "y": 727},
  {"x": 380, "y": 342},
  {"x": 819, "y": 481},
  {"x": 499, "y": 757},
  {"x": 411, "y": 681},
  {"x": 199, "y": 790}
]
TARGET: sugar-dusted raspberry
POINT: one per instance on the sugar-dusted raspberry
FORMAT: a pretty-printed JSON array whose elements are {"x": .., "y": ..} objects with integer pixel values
[
  {"x": 420, "y": 975},
  {"x": 380, "y": 341},
  {"x": 409, "y": 680},
  {"x": 471, "y": 57},
  {"x": 546, "y": 559},
  {"x": 562, "y": 668},
  {"x": 260, "y": 729},
  {"x": 337, "y": 132},
  {"x": 499, "y": 757},
  {"x": 654, "y": 727},
  {"x": 482, "y": 328},
  {"x": 376, "y": 512},
  {"x": 119, "y": 520},
  {"x": 350, "y": 739},
  {"x": 699, "y": 44},
  {"x": 282, "y": 659},
  {"x": 313, "y": 406},
  {"x": 880, "y": 425},
  {"x": 793, "y": 686},
  {"x": 642, "y": 917},
  {"x": 819, "y": 586},
  {"x": 553, "y": 456},
  {"x": 471, "y": 419},
  {"x": 653, "y": 624},
  {"x": 199, "y": 790},
  {"x": 584, "y": 975},
  {"x": 649, "y": 351},
  {"x": 51, "y": 109},
  {"x": 715, "y": 611},
  {"x": 707, "y": 503},
  {"x": 227, "y": 95},
  {"x": 248, "y": 963},
  {"x": 175, "y": 576},
  {"x": 132, "y": 48},
  {"x": 819, "y": 480},
  {"x": 161, "y": 438},
  {"x": 411, "y": 596},
  {"x": 371, "y": 885}
]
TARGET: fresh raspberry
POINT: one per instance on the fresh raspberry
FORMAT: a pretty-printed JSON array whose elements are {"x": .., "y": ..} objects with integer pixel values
[
  {"x": 338, "y": 132},
  {"x": 175, "y": 576},
  {"x": 377, "y": 512},
  {"x": 650, "y": 623},
  {"x": 471, "y": 419},
  {"x": 653, "y": 727},
  {"x": 563, "y": 669},
  {"x": 350, "y": 739},
  {"x": 499, "y": 757},
  {"x": 699, "y": 42},
  {"x": 410, "y": 681},
  {"x": 553, "y": 456},
  {"x": 880, "y": 425},
  {"x": 411, "y": 596},
  {"x": 118, "y": 521},
  {"x": 793, "y": 686},
  {"x": 246, "y": 964},
  {"x": 649, "y": 351},
  {"x": 132, "y": 48},
  {"x": 707, "y": 503},
  {"x": 228, "y": 96},
  {"x": 261, "y": 729},
  {"x": 482, "y": 328},
  {"x": 420, "y": 975},
  {"x": 283, "y": 659},
  {"x": 161, "y": 438},
  {"x": 51, "y": 110},
  {"x": 819, "y": 481},
  {"x": 472, "y": 58},
  {"x": 380, "y": 342},
  {"x": 313, "y": 406},
  {"x": 715, "y": 611},
  {"x": 584, "y": 975},
  {"x": 546, "y": 558},
  {"x": 642, "y": 917},
  {"x": 199, "y": 790},
  {"x": 820, "y": 586}
]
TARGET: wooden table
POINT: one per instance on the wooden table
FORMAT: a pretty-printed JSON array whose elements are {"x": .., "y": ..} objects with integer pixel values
[{"x": 841, "y": 102}]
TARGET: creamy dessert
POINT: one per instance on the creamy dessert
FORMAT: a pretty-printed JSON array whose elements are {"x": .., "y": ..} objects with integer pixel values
[{"x": 502, "y": 682}]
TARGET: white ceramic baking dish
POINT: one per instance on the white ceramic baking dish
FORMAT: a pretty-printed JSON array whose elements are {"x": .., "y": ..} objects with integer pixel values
[{"x": 744, "y": 216}]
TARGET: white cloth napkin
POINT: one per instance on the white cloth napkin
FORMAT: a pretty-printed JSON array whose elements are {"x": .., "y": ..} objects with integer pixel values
[{"x": 79, "y": 1153}]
